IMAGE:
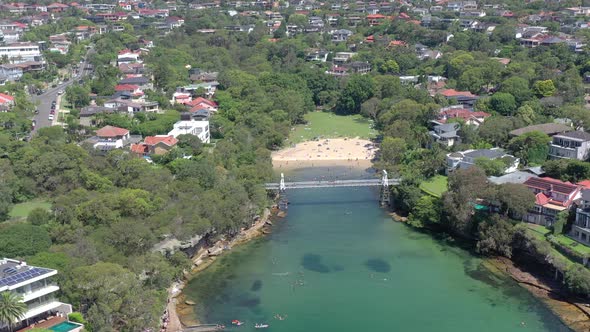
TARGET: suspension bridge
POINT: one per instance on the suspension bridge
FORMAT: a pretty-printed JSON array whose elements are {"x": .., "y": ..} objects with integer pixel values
[{"x": 385, "y": 182}]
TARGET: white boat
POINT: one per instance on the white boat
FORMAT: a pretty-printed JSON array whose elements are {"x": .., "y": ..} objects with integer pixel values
[{"x": 261, "y": 326}]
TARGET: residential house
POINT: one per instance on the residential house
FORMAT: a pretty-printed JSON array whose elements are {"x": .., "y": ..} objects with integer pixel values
[
  {"x": 581, "y": 227},
  {"x": 88, "y": 114},
  {"x": 132, "y": 89},
  {"x": 342, "y": 57},
  {"x": 142, "y": 82},
  {"x": 174, "y": 22},
  {"x": 202, "y": 103},
  {"x": 158, "y": 145},
  {"x": 341, "y": 35},
  {"x": 359, "y": 67},
  {"x": 375, "y": 19},
  {"x": 577, "y": 11},
  {"x": 551, "y": 197},
  {"x": 38, "y": 289},
  {"x": 468, "y": 116},
  {"x": 338, "y": 71},
  {"x": 467, "y": 159},
  {"x": 201, "y": 114},
  {"x": 570, "y": 145},
  {"x": 21, "y": 52},
  {"x": 128, "y": 56},
  {"x": 550, "y": 129},
  {"x": 189, "y": 126},
  {"x": 445, "y": 133},
  {"x": 10, "y": 72},
  {"x": 6, "y": 101},
  {"x": 110, "y": 137},
  {"x": 321, "y": 56},
  {"x": 131, "y": 107},
  {"x": 196, "y": 74},
  {"x": 465, "y": 98}
]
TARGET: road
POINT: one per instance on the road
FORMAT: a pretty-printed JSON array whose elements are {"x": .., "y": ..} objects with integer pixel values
[{"x": 44, "y": 100}]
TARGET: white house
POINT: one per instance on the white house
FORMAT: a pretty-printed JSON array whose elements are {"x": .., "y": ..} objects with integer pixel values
[
  {"x": 192, "y": 127},
  {"x": 37, "y": 287},
  {"x": 110, "y": 137},
  {"x": 21, "y": 52},
  {"x": 468, "y": 158}
]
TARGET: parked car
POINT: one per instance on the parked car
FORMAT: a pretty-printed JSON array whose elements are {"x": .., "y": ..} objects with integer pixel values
[
  {"x": 50, "y": 117},
  {"x": 60, "y": 92},
  {"x": 33, "y": 124}
]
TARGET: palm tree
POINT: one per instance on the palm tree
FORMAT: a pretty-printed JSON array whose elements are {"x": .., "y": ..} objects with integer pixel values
[{"x": 12, "y": 308}]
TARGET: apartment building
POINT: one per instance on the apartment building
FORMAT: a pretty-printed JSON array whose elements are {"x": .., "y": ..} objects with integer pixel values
[
  {"x": 37, "y": 287},
  {"x": 21, "y": 52}
]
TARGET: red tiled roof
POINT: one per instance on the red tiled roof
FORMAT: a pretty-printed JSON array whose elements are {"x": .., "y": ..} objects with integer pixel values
[
  {"x": 201, "y": 100},
  {"x": 140, "y": 148},
  {"x": 126, "y": 87},
  {"x": 549, "y": 184},
  {"x": 111, "y": 131},
  {"x": 397, "y": 43},
  {"x": 541, "y": 199},
  {"x": 375, "y": 16},
  {"x": 4, "y": 98},
  {"x": 455, "y": 93},
  {"x": 153, "y": 140},
  {"x": 585, "y": 184}
]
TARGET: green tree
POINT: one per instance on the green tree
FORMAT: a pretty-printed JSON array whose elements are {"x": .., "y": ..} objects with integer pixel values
[
  {"x": 517, "y": 87},
  {"x": 492, "y": 167},
  {"x": 12, "y": 308},
  {"x": 427, "y": 211},
  {"x": 495, "y": 237},
  {"x": 515, "y": 199},
  {"x": 39, "y": 216},
  {"x": 358, "y": 89},
  {"x": 503, "y": 103},
  {"x": 544, "y": 88},
  {"x": 560, "y": 222},
  {"x": 389, "y": 66},
  {"x": 577, "y": 279},
  {"x": 78, "y": 96},
  {"x": 19, "y": 240},
  {"x": 531, "y": 147}
]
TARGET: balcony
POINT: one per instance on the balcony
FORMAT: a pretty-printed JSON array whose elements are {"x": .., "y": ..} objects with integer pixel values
[{"x": 40, "y": 291}]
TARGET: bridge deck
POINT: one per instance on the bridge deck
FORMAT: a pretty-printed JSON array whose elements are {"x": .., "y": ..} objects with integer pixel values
[{"x": 330, "y": 184}]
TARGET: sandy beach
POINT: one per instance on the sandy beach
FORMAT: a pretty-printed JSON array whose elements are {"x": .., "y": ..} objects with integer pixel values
[{"x": 339, "y": 151}]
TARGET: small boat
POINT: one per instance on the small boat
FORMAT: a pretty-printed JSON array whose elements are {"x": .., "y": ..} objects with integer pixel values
[
  {"x": 236, "y": 322},
  {"x": 261, "y": 326}
]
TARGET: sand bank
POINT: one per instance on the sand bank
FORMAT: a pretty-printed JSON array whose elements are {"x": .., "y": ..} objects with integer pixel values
[{"x": 336, "y": 149}]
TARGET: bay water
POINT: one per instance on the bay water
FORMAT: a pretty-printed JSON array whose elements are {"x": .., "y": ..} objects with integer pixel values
[{"x": 338, "y": 262}]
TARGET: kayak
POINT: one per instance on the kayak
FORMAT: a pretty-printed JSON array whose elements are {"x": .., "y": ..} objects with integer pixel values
[
  {"x": 261, "y": 326},
  {"x": 236, "y": 322}
]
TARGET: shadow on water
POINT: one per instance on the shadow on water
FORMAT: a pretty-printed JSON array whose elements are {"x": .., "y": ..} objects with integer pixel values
[
  {"x": 248, "y": 301},
  {"x": 256, "y": 285},
  {"x": 324, "y": 202},
  {"x": 313, "y": 262},
  {"x": 378, "y": 265}
]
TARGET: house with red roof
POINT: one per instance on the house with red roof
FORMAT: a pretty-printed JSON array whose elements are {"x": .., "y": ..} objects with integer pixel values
[
  {"x": 110, "y": 137},
  {"x": 132, "y": 89},
  {"x": 202, "y": 103},
  {"x": 158, "y": 145},
  {"x": 552, "y": 196},
  {"x": 6, "y": 101},
  {"x": 57, "y": 7},
  {"x": 468, "y": 116},
  {"x": 464, "y": 98},
  {"x": 375, "y": 19}
]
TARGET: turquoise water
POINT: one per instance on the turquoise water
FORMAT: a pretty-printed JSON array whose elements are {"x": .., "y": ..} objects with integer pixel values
[
  {"x": 338, "y": 263},
  {"x": 64, "y": 327}
]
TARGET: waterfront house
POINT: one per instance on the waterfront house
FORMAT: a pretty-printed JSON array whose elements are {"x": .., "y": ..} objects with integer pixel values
[
  {"x": 581, "y": 228},
  {"x": 570, "y": 145},
  {"x": 551, "y": 197},
  {"x": 468, "y": 158},
  {"x": 38, "y": 288},
  {"x": 110, "y": 137}
]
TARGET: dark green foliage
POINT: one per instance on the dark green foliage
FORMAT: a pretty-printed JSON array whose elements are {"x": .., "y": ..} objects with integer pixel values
[
  {"x": 577, "y": 279},
  {"x": 19, "y": 240},
  {"x": 567, "y": 169},
  {"x": 495, "y": 237},
  {"x": 358, "y": 89},
  {"x": 39, "y": 216}
]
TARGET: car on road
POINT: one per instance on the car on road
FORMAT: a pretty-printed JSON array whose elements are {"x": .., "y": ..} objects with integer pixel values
[
  {"x": 50, "y": 117},
  {"x": 60, "y": 92},
  {"x": 36, "y": 111},
  {"x": 33, "y": 124}
]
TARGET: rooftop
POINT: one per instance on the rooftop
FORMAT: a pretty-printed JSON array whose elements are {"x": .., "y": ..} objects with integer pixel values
[
  {"x": 578, "y": 134},
  {"x": 110, "y": 131},
  {"x": 14, "y": 272},
  {"x": 547, "y": 128},
  {"x": 549, "y": 184}
]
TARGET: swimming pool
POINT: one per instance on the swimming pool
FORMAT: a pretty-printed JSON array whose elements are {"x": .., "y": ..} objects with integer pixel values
[{"x": 66, "y": 327}]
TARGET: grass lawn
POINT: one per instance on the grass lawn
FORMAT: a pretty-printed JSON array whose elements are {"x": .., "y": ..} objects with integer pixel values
[
  {"x": 330, "y": 125},
  {"x": 573, "y": 245},
  {"x": 22, "y": 210},
  {"x": 540, "y": 232},
  {"x": 435, "y": 186}
]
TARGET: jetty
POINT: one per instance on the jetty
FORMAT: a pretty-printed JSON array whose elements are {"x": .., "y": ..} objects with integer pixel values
[{"x": 203, "y": 328}]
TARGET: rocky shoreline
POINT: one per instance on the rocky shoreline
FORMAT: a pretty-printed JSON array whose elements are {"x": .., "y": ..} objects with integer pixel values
[
  {"x": 573, "y": 313},
  {"x": 181, "y": 311}
]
